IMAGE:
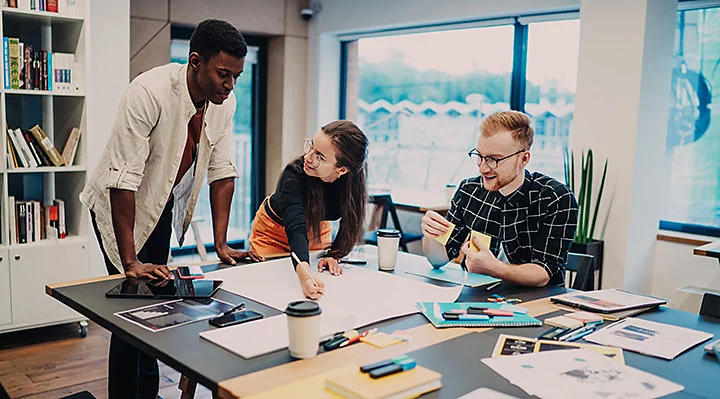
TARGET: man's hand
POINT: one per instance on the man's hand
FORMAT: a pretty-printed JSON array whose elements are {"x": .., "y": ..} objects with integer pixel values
[
  {"x": 312, "y": 288},
  {"x": 433, "y": 224},
  {"x": 147, "y": 270},
  {"x": 231, "y": 256},
  {"x": 330, "y": 264},
  {"x": 483, "y": 261}
]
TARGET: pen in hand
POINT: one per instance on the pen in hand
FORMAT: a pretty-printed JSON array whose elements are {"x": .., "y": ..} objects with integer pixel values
[
  {"x": 235, "y": 308},
  {"x": 297, "y": 260}
]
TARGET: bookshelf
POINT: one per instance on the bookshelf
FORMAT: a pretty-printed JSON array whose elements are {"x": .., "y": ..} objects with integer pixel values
[{"x": 26, "y": 268}]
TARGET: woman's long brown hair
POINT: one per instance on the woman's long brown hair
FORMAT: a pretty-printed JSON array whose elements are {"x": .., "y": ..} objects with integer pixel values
[{"x": 351, "y": 147}]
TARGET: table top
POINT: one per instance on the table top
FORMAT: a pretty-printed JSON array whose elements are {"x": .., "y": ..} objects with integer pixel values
[
  {"x": 418, "y": 200},
  {"x": 232, "y": 376},
  {"x": 712, "y": 250}
]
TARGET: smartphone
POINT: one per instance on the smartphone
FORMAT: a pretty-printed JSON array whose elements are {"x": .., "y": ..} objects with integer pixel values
[
  {"x": 190, "y": 272},
  {"x": 236, "y": 318}
]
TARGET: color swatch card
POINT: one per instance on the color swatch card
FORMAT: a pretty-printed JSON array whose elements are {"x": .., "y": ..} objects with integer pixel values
[
  {"x": 453, "y": 273},
  {"x": 483, "y": 238}
]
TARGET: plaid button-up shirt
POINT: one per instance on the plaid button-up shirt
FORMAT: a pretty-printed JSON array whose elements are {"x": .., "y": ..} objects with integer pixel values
[{"x": 535, "y": 224}]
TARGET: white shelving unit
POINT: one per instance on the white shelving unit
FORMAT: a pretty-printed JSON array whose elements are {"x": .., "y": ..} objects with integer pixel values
[{"x": 25, "y": 269}]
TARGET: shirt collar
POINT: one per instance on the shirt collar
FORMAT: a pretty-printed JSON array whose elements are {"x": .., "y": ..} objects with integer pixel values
[{"x": 188, "y": 105}]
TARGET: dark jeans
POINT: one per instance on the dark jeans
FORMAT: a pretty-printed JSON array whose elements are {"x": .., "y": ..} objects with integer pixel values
[{"x": 131, "y": 372}]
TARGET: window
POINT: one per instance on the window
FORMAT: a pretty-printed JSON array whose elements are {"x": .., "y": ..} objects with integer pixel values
[
  {"x": 552, "y": 61},
  {"x": 420, "y": 97},
  {"x": 693, "y": 135},
  {"x": 245, "y": 148}
]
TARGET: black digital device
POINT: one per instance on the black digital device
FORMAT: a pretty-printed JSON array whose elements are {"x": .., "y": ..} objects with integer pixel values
[
  {"x": 236, "y": 318},
  {"x": 176, "y": 288}
]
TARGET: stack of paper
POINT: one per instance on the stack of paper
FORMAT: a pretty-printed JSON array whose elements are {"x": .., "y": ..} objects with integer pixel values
[
  {"x": 579, "y": 373},
  {"x": 649, "y": 338}
]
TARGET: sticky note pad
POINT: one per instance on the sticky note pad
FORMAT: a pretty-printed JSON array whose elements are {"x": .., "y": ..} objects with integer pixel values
[
  {"x": 380, "y": 340},
  {"x": 443, "y": 238},
  {"x": 483, "y": 238}
]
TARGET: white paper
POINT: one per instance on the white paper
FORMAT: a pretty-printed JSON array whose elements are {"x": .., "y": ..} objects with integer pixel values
[
  {"x": 579, "y": 373},
  {"x": 257, "y": 337},
  {"x": 648, "y": 337},
  {"x": 354, "y": 299}
]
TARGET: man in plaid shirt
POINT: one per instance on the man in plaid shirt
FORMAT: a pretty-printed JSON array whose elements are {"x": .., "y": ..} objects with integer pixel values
[{"x": 531, "y": 216}]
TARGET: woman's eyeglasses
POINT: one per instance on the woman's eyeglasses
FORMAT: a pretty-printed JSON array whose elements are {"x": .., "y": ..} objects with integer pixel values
[{"x": 315, "y": 157}]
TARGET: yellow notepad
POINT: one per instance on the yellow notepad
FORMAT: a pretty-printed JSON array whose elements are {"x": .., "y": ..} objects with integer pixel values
[
  {"x": 406, "y": 384},
  {"x": 483, "y": 238},
  {"x": 380, "y": 340},
  {"x": 443, "y": 238}
]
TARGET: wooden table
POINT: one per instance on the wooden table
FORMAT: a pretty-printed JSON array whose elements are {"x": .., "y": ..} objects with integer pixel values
[
  {"x": 712, "y": 250},
  {"x": 230, "y": 376}
]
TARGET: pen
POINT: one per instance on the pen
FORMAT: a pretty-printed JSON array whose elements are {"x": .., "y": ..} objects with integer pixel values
[
  {"x": 580, "y": 335},
  {"x": 235, "y": 308},
  {"x": 573, "y": 333},
  {"x": 491, "y": 286},
  {"x": 308, "y": 270},
  {"x": 357, "y": 338}
]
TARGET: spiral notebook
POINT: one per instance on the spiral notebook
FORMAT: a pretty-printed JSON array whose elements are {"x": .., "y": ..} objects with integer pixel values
[{"x": 433, "y": 312}]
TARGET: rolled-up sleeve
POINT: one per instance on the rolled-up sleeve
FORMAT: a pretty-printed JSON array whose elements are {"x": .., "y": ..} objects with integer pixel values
[
  {"x": 555, "y": 235},
  {"x": 138, "y": 114},
  {"x": 221, "y": 165}
]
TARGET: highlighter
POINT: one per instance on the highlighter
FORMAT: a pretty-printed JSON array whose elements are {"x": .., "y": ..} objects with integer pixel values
[
  {"x": 393, "y": 360},
  {"x": 407, "y": 364}
]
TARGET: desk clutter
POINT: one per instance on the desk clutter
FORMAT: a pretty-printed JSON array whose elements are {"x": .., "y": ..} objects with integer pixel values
[
  {"x": 398, "y": 377},
  {"x": 476, "y": 314}
]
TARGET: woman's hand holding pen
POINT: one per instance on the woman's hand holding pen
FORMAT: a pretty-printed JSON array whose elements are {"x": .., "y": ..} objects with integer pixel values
[
  {"x": 330, "y": 264},
  {"x": 312, "y": 288}
]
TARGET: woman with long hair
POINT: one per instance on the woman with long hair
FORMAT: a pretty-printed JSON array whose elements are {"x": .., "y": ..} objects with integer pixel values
[{"x": 327, "y": 182}]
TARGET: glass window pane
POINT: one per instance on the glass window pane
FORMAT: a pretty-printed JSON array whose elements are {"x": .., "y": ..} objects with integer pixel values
[
  {"x": 552, "y": 63},
  {"x": 240, "y": 213},
  {"x": 693, "y": 135},
  {"x": 420, "y": 97}
]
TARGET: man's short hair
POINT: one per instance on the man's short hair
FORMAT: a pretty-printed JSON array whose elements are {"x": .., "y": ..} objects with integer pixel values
[
  {"x": 517, "y": 123},
  {"x": 213, "y": 36}
]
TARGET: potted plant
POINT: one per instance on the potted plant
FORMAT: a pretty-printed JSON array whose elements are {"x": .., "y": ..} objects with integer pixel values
[{"x": 583, "y": 242}]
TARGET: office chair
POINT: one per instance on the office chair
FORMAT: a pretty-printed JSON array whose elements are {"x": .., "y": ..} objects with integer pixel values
[
  {"x": 581, "y": 269},
  {"x": 387, "y": 207},
  {"x": 710, "y": 305}
]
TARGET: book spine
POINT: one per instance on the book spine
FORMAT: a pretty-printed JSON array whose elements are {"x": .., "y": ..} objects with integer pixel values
[
  {"x": 6, "y": 62},
  {"x": 22, "y": 222},
  {"x": 14, "y": 55},
  {"x": 12, "y": 222},
  {"x": 34, "y": 153},
  {"x": 47, "y": 145}
]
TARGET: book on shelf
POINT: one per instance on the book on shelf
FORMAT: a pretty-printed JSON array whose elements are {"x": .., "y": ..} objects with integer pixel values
[
  {"x": 33, "y": 148},
  {"x": 63, "y": 7},
  {"x": 70, "y": 148},
  {"x": 47, "y": 145},
  {"x": 29, "y": 69},
  {"x": 30, "y": 221}
]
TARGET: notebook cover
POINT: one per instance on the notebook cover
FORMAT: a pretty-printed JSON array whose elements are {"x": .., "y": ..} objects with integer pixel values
[
  {"x": 433, "y": 312},
  {"x": 406, "y": 384},
  {"x": 607, "y": 301}
]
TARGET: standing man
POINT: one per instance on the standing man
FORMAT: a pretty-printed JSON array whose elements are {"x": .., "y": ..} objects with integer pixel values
[
  {"x": 531, "y": 216},
  {"x": 174, "y": 125}
]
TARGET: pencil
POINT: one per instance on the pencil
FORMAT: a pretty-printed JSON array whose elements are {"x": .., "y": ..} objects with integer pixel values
[{"x": 308, "y": 270}]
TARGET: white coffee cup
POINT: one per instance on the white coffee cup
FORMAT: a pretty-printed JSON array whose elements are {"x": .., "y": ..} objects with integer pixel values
[
  {"x": 388, "y": 241},
  {"x": 303, "y": 319}
]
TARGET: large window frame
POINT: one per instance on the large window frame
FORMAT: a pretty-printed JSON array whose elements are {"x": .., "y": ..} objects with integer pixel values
[
  {"x": 259, "y": 128},
  {"x": 683, "y": 227}
]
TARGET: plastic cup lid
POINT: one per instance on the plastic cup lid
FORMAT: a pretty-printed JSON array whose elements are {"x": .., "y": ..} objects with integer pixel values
[
  {"x": 303, "y": 309},
  {"x": 388, "y": 233}
]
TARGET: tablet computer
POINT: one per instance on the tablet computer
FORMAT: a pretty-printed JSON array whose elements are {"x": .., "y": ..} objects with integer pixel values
[{"x": 176, "y": 288}]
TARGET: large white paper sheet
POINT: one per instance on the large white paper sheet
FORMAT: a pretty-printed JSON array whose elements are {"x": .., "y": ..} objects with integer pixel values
[
  {"x": 579, "y": 373},
  {"x": 256, "y": 337},
  {"x": 648, "y": 337},
  {"x": 354, "y": 299}
]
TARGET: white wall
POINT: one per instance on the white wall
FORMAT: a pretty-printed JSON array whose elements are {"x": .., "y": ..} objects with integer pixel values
[
  {"x": 625, "y": 48},
  {"x": 108, "y": 78}
]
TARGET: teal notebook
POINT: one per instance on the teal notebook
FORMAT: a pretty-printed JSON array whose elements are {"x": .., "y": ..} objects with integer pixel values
[
  {"x": 433, "y": 312},
  {"x": 454, "y": 274}
]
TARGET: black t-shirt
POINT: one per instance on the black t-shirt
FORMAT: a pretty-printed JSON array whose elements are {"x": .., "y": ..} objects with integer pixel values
[{"x": 288, "y": 202}]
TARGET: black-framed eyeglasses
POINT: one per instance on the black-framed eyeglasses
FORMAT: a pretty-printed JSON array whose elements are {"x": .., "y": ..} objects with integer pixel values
[
  {"x": 315, "y": 158},
  {"x": 491, "y": 162}
]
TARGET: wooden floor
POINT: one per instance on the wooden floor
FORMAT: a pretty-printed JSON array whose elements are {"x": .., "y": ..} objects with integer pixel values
[{"x": 52, "y": 362}]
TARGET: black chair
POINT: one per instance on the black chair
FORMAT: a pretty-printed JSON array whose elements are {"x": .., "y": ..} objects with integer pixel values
[
  {"x": 581, "y": 268},
  {"x": 710, "y": 305},
  {"x": 387, "y": 207}
]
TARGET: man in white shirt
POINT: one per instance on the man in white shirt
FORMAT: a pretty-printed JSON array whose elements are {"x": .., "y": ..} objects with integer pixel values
[{"x": 174, "y": 125}]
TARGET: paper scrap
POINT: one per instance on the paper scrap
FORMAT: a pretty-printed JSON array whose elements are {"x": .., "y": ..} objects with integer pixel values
[
  {"x": 380, "y": 340},
  {"x": 483, "y": 238}
]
